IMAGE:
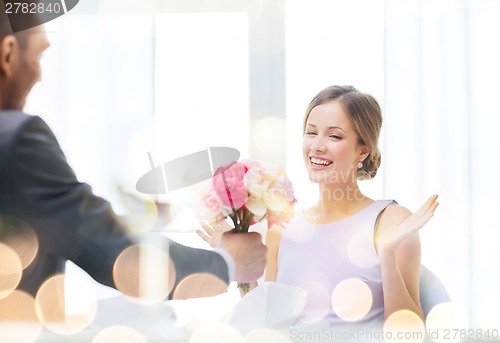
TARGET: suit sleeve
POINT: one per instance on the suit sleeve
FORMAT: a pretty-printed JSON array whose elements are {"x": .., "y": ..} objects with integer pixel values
[{"x": 74, "y": 224}]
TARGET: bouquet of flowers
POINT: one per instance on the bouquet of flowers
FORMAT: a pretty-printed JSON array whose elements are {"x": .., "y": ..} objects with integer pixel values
[{"x": 248, "y": 192}]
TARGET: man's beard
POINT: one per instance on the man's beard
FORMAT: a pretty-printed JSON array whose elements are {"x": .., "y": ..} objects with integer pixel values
[{"x": 16, "y": 93}]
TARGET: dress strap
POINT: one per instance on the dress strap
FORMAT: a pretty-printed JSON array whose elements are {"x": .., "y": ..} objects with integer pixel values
[{"x": 369, "y": 218}]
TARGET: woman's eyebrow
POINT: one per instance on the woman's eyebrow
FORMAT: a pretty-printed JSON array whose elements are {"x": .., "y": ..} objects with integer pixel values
[
  {"x": 329, "y": 128},
  {"x": 336, "y": 127}
]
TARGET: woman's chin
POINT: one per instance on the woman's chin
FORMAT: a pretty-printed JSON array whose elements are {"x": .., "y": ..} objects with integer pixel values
[{"x": 316, "y": 177}]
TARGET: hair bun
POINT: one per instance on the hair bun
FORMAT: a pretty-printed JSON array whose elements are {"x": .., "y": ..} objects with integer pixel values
[{"x": 370, "y": 166}]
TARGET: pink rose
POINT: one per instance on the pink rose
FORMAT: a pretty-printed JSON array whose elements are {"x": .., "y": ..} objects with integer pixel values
[
  {"x": 212, "y": 205},
  {"x": 230, "y": 186},
  {"x": 206, "y": 203}
]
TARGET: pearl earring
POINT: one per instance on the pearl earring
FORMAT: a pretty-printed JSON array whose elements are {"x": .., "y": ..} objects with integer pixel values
[{"x": 360, "y": 164}]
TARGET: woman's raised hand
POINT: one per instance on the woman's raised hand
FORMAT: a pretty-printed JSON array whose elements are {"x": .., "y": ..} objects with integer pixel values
[
  {"x": 403, "y": 228},
  {"x": 212, "y": 233}
]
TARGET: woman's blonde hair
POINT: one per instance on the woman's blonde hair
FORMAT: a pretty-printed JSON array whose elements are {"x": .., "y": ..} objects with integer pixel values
[{"x": 366, "y": 117}]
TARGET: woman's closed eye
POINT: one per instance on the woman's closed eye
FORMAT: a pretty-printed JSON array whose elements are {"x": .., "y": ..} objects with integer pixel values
[{"x": 314, "y": 133}]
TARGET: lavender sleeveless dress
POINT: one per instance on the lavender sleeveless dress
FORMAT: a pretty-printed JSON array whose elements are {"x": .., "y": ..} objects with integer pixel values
[{"x": 338, "y": 266}]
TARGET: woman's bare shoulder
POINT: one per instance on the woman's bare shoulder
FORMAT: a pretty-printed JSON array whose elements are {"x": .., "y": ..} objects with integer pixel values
[{"x": 393, "y": 213}]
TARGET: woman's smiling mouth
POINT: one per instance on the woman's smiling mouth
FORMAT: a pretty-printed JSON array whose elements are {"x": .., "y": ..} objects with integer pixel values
[{"x": 319, "y": 162}]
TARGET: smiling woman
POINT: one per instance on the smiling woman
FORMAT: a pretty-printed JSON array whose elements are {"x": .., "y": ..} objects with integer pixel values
[
  {"x": 363, "y": 127},
  {"x": 434, "y": 71},
  {"x": 372, "y": 246}
]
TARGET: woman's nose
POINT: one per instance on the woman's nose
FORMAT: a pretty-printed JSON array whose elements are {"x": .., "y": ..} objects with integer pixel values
[{"x": 317, "y": 145}]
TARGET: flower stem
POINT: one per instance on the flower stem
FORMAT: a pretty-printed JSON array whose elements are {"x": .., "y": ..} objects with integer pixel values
[{"x": 244, "y": 288}]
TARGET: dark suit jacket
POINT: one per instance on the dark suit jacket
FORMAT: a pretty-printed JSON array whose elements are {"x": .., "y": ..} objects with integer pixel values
[{"x": 39, "y": 188}]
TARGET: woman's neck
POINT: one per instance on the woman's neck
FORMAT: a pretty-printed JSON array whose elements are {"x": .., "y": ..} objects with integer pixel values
[{"x": 338, "y": 201}]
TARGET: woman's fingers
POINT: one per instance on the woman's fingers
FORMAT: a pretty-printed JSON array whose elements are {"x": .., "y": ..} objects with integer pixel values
[
  {"x": 211, "y": 233},
  {"x": 208, "y": 229},
  {"x": 203, "y": 236},
  {"x": 429, "y": 205},
  {"x": 405, "y": 227},
  {"x": 416, "y": 221},
  {"x": 223, "y": 226},
  {"x": 426, "y": 212}
]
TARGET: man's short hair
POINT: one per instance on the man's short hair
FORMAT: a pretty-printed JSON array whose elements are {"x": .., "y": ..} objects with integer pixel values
[
  {"x": 5, "y": 28},
  {"x": 17, "y": 24}
]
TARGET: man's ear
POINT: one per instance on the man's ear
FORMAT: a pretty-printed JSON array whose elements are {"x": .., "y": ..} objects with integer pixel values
[{"x": 9, "y": 50}]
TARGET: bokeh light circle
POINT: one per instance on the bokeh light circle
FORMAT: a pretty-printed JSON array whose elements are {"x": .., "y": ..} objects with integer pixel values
[
  {"x": 145, "y": 273},
  {"x": 199, "y": 285},
  {"x": 21, "y": 237},
  {"x": 51, "y": 309},
  {"x": 11, "y": 270},
  {"x": 446, "y": 317},
  {"x": 404, "y": 326},
  {"x": 18, "y": 320},
  {"x": 119, "y": 333},
  {"x": 351, "y": 299},
  {"x": 216, "y": 333}
]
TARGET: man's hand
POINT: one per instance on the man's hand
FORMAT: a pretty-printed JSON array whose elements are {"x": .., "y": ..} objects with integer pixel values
[{"x": 248, "y": 253}]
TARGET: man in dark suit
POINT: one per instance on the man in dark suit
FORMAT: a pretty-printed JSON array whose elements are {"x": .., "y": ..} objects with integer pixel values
[{"x": 40, "y": 190}]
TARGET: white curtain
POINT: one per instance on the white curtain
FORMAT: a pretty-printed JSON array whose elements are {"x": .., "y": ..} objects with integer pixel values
[
  {"x": 441, "y": 80},
  {"x": 96, "y": 94}
]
